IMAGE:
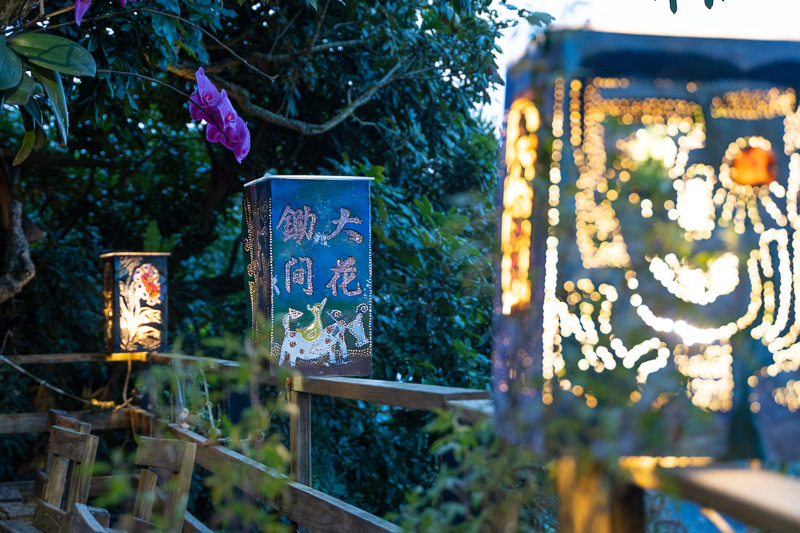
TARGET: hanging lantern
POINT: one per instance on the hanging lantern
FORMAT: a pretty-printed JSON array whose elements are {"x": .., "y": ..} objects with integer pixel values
[
  {"x": 134, "y": 303},
  {"x": 308, "y": 253}
]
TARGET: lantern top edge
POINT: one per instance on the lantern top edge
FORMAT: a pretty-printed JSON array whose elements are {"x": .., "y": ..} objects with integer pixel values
[
  {"x": 308, "y": 177},
  {"x": 134, "y": 254}
]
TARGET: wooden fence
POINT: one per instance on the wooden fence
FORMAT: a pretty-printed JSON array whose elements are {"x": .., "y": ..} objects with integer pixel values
[
  {"x": 586, "y": 503},
  {"x": 305, "y": 506}
]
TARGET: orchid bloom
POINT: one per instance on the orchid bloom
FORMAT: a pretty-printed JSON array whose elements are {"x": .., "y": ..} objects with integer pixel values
[
  {"x": 225, "y": 126},
  {"x": 81, "y": 6}
]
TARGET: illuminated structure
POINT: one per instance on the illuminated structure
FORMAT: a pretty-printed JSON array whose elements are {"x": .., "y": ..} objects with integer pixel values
[
  {"x": 308, "y": 258},
  {"x": 649, "y": 225},
  {"x": 134, "y": 303}
]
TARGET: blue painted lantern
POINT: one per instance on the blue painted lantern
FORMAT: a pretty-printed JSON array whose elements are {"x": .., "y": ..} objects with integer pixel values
[
  {"x": 308, "y": 258},
  {"x": 134, "y": 302}
]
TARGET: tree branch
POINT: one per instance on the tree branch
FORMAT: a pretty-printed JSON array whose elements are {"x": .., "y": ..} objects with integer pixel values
[{"x": 242, "y": 97}]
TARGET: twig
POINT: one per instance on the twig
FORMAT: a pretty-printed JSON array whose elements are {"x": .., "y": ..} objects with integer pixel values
[
  {"x": 210, "y": 36},
  {"x": 146, "y": 78}
]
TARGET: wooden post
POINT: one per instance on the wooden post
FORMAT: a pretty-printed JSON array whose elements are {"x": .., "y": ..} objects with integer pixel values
[
  {"x": 300, "y": 436},
  {"x": 590, "y": 501},
  {"x": 300, "y": 439}
]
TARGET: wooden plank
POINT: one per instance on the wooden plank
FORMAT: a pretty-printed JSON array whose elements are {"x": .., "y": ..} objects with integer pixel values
[
  {"x": 49, "y": 518},
  {"x": 16, "y": 526},
  {"x": 307, "y": 507},
  {"x": 70, "y": 444},
  {"x": 57, "y": 358},
  {"x": 192, "y": 525},
  {"x": 472, "y": 411},
  {"x": 760, "y": 498},
  {"x": 393, "y": 393},
  {"x": 100, "y": 485},
  {"x": 167, "y": 358},
  {"x": 14, "y": 510},
  {"x": 37, "y": 422},
  {"x": 145, "y": 495},
  {"x": 10, "y": 494},
  {"x": 300, "y": 437},
  {"x": 161, "y": 453}
]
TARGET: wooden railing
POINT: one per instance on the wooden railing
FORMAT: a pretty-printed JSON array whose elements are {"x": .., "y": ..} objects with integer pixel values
[
  {"x": 758, "y": 498},
  {"x": 305, "y": 506}
]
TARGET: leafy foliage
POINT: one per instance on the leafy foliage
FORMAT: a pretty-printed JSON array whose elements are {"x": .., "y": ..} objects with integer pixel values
[
  {"x": 485, "y": 484},
  {"x": 387, "y": 89}
]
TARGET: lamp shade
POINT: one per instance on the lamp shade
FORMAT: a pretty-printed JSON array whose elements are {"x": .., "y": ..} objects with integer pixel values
[
  {"x": 134, "y": 302},
  {"x": 308, "y": 259}
]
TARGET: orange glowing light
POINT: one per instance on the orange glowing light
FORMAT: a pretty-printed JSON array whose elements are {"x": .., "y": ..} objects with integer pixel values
[{"x": 754, "y": 166}]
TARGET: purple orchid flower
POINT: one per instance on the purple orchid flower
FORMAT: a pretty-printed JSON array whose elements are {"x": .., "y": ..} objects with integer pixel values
[
  {"x": 224, "y": 124},
  {"x": 81, "y": 6},
  {"x": 226, "y": 112},
  {"x": 207, "y": 94},
  {"x": 238, "y": 139}
]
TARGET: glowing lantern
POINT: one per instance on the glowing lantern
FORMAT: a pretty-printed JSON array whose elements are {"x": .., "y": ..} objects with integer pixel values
[
  {"x": 754, "y": 166},
  {"x": 308, "y": 253},
  {"x": 648, "y": 240},
  {"x": 134, "y": 303}
]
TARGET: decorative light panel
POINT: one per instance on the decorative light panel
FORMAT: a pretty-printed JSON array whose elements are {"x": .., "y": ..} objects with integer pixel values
[
  {"x": 309, "y": 271},
  {"x": 649, "y": 237},
  {"x": 134, "y": 303}
]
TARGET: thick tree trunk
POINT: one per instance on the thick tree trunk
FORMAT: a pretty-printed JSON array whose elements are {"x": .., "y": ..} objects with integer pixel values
[
  {"x": 17, "y": 267},
  {"x": 13, "y": 10}
]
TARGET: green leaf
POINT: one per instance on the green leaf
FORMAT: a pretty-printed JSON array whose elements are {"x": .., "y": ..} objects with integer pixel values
[
  {"x": 33, "y": 108},
  {"x": 709, "y": 4},
  {"x": 51, "y": 81},
  {"x": 10, "y": 66},
  {"x": 29, "y": 139},
  {"x": 41, "y": 137},
  {"x": 673, "y": 5},
  {"x": 55, "y": 53},
  {"x": 20, "y": 94},
  {"x": 539, "y": 19}
]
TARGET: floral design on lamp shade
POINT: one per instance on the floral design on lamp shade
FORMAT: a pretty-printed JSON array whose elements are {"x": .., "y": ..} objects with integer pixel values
[
  {"x": 145, "y": 281},
  {"x": 135, "y": 294}
]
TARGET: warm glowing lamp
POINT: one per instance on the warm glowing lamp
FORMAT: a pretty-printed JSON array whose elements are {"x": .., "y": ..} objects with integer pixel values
[
  {"x": 308, "y": 257},
  {"x": 134, "y": 303},
  {"x": 754, "y": 166}
]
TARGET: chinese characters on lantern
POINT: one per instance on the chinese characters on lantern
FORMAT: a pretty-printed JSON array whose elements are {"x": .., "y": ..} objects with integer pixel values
[{"x": 308, "y": 254}]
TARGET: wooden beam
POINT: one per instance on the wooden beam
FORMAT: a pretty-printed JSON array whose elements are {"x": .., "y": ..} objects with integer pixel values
[
  {"x": 300, "y": 437},
  {"x": 759, "y": 498},
  {"x": 307, "y": 507},
  {"x": 57, "y": 358},
  {"x": 393, "y": 393},
  {"x": 100, "y": 485},
  {"x": 37, "y": 422},
  {"x": 167, "y": 358}
]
